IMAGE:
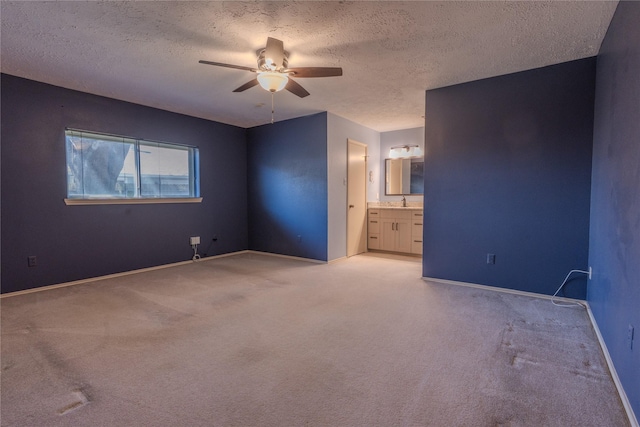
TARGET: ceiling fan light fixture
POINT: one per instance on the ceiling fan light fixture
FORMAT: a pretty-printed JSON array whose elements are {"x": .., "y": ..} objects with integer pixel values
[
  {"x": 274, "y": 73},
  {"x": 272, "y": 82}
]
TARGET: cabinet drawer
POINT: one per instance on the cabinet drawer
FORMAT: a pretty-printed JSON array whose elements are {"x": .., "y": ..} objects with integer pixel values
[
  {"x": 417, "y": 214},
  {"x": 374, "y": 241},
  {"x": 374, "y": 225},
  {"x": 395, "y": 214},
  {"x": 416, "y": 228},
  {"x": 416, "y": 246},
  {"x": 374, "y": 213}
]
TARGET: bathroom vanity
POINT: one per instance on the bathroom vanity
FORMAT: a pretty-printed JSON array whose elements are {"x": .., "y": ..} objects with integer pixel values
[{"x": 395, "y": 229}]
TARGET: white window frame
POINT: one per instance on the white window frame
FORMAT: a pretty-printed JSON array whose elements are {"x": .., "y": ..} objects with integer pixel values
[{"x": 136, "y": 198}]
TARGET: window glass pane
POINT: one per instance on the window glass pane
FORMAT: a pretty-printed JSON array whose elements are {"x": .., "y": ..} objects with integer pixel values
[
  {"x": 95, "y": 166},
  {"x": 128, "y": 178},
  {"x": 164, "y": 170}
]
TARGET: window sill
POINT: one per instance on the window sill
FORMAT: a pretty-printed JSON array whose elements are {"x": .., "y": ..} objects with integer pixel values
[{"x": 75, "y": 202}]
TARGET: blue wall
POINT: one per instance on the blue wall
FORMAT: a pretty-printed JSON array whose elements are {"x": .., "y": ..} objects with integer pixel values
[
  {"x": 77, "y": 242},
  {"x": 508, "y": 172},
  {"x": 287, "y": 187},
  {"x": 614, "y": 250}
]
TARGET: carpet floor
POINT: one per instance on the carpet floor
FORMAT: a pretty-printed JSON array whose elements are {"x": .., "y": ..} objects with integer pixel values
[{"x": 257, "y": 340}]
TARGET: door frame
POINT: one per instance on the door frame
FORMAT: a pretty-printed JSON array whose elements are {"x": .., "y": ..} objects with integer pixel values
[{"x": 364, "y": 180}]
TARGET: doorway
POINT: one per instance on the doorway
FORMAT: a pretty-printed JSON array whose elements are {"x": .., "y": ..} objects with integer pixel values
[{"x": 356, "y": 198}]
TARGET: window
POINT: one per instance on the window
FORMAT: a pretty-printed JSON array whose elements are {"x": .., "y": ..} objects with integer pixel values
[{"x": 112, "y": 167}]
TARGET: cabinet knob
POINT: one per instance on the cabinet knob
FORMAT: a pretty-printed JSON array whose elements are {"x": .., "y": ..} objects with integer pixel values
[{"x": 351, "y": 206}]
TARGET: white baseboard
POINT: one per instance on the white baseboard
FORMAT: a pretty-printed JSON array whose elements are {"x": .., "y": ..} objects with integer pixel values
[
  {"x": 142, "y": 270},
  {"x": 614, "y": 375},
  {"x": 507, "y": 291},
  {"x": 616, "y": 379},
  {"x": 110, "y": 276},
  {"x": 315, "y": 261}
]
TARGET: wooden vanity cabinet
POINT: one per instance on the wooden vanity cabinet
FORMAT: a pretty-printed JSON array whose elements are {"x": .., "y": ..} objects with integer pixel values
[{"x": 395, "y": 230}]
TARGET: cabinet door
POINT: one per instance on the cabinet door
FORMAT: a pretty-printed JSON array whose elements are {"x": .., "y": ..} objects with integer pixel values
[
  {"x": 403, "y": 235},
  {"x": 388, "y": 234}
]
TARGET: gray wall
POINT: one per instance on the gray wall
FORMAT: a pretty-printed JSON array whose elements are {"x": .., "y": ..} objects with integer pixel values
[
  {"x": 339, "y": 130},
  {"x": 508, "y": 172},
  {"x": 78, "y": 242},
  {"x": 614, "y": 249}
]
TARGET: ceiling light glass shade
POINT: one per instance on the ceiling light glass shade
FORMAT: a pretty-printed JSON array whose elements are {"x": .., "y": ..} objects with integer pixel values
[
  {"x": 405, "y": 151},
  {"x": 273, "y": 82},
  {"x": 395, "y": 153}
]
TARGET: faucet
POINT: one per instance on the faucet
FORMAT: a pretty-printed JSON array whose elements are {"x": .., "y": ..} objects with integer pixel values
[{"x": 404, "y": 202}]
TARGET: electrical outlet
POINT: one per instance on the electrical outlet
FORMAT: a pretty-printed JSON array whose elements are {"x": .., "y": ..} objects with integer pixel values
[
  {"x": 630, "y": 336},
  {"x": 195, "y": 240},
  {"x": 491, "y": 258},
  {"x": 32, "y": 261}
]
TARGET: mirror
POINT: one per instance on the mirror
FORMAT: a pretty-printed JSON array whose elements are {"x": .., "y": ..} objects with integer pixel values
[{"x": 404, "y": 176}]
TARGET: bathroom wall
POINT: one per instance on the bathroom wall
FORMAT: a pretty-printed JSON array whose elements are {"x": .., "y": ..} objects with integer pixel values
[{"x": 390, "y": 139}]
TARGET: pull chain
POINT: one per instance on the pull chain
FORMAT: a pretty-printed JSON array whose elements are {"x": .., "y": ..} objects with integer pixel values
[{"x": 272, "y": 108}]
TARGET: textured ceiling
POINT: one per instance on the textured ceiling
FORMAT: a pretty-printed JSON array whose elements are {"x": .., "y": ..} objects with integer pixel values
[{"x": 391, "y": 52}]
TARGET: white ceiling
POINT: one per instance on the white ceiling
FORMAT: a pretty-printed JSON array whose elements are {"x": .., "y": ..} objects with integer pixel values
[{"x": 391, "y": 52}]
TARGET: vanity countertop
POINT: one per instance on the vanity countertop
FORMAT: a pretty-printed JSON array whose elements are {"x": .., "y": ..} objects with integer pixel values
[
  {"x": 404, "y": 208},
  {"x": 395, "y": 205}
]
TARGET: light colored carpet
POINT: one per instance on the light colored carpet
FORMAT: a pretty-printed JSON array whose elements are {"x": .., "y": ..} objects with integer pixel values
[{"x": 255, "y": 340}]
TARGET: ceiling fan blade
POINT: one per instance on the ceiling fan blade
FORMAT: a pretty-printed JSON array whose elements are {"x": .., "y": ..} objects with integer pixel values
[
  {"x": 237, "y": 67},
  {"x": 275, "y": 52},
  {"x": 314, "y": 71},
  {"x": 247, "y": 85},
  {"x": 295, "y": 88}
]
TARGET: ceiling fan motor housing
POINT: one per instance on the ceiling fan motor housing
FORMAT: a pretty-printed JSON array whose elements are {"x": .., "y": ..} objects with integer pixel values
[{"x": 262, "y": 61}]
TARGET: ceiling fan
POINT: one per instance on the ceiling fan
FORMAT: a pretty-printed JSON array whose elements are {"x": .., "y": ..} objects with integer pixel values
[{"x": 274, "y": 73}]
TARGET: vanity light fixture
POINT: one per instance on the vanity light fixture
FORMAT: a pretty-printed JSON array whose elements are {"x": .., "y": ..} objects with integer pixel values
[{"x": 405, "y": 151}]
